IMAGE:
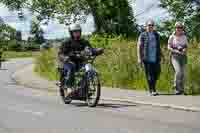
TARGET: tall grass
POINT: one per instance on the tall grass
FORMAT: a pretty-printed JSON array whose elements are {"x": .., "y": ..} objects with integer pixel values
[
  {"x": 119, "y": 68},
  {"x": 193, "y": 70},
  {"x": 46, "y": 64}
]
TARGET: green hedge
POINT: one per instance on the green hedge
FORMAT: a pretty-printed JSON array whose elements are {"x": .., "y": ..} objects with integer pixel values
[
  {"x": 14, "y": 54},
  {"x": 14, "y": 45}
]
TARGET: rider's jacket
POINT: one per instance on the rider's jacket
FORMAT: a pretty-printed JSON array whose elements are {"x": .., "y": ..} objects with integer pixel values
[{"x": 69, "y": 46}]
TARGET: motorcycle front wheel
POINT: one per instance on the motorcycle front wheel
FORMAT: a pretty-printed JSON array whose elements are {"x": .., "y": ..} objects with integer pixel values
[{"x": 93, "y": 90}]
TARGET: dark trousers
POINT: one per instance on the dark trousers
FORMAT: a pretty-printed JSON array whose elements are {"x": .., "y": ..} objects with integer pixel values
[
  {"x": 67, "y": 72},
  {"x": 152, "y": 72}
]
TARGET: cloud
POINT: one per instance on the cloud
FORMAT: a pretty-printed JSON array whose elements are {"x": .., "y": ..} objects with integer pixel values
[
  {"x": 149, "y": 9},
  {"x": 54, "y": 29},
  {"x": 4, "y": 11}
]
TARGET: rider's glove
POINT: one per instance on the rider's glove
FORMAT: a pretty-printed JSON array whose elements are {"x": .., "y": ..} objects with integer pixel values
[
  {"x": 98, "y": 51},
  {"x": 88, "y": 51}
]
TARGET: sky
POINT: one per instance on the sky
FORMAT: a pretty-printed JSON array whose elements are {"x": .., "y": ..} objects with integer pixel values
[{"x": 143, "y": 9}]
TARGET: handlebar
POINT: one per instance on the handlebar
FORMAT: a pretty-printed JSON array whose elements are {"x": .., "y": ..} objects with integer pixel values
[{"x": 87, "y": 55}]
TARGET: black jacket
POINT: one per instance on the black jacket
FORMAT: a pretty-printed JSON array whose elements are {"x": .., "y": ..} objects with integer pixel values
[{"x": 70, "y": 46}]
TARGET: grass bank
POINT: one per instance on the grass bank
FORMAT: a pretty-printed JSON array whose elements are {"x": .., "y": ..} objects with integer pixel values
[{"x": 118, "y": 66}]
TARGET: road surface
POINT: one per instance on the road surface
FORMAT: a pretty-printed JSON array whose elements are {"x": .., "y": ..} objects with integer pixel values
[{"x": 26, "y": 110}]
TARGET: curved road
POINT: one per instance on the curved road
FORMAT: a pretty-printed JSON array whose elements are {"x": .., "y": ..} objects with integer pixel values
[{"x": 23, "y": 110}]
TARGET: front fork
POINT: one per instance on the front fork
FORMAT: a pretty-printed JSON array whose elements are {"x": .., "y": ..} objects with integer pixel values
[
  {"x": 83, "y": 87},
  {"x": 90, "y": 74}
]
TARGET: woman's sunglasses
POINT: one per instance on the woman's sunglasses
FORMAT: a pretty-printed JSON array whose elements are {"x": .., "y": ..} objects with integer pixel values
[
  {"x": 179, "y": 27},
  {"x": 150, "y": 25}
]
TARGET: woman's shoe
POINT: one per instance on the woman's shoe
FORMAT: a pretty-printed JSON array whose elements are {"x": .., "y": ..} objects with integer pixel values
[
  {"x": 154, "y": 93},
  {"x": 179, "y": 92}
]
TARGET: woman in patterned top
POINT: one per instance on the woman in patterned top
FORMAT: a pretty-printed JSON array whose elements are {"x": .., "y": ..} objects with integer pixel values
[{"x": 177, "y": 44}]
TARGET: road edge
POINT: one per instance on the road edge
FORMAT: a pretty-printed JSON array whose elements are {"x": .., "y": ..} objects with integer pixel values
[{"x": 17, "y": 77}]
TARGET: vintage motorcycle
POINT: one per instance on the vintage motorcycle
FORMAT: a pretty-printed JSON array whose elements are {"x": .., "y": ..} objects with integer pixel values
[{"x": 86, "y": 82}]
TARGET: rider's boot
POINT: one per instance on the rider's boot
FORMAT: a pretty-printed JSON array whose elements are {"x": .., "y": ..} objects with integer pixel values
[
  {"x": 71, "y": 92},
  {"x": 68, "y": 92}
]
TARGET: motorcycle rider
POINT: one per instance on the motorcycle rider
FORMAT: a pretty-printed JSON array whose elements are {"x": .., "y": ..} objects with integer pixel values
[{"x": 69, "y": 63}]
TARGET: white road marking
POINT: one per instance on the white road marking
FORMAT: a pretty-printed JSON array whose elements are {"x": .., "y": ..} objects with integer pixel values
[
  {"x": 36, "y": 113},
  {"x": 23, "y": 110},
  {"x": 33, "y": 112}
]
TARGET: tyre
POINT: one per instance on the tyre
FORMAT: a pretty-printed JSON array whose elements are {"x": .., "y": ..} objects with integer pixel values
[
  {"x": 93, "y": 90},
  {"x": 64, "y": 98},
  {"x": 67, "y": 100}
]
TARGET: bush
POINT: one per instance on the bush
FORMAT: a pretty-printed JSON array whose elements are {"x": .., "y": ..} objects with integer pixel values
[
  {"x": 45, "y": 46},
  {"x": 31, "y": 47},
  {"x": 14, "y": 46},
  {"x": 14, "y": 54}
]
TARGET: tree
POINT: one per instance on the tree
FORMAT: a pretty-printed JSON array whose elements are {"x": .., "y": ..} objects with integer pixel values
[
  {"x": 113, "y": 16},
  {"x": 187, "y": 11},
  {"x": 19, "y": 36},
  {"x": 6, "y": 32},
  {"x": 110, "y": 16},
  {"x": 37, "y": 32}
]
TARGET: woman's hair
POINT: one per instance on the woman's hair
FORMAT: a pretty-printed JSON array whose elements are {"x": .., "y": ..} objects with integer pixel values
[
  {"x": 150, "y": 21},
  {"x": 181, "y": 24}
]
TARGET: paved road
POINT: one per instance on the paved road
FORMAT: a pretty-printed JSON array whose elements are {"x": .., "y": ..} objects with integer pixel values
[{"x": 23, "y": 110}]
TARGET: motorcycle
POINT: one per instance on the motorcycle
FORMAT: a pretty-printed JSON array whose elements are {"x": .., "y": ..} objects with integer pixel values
[{"x": 87, "y": 82}]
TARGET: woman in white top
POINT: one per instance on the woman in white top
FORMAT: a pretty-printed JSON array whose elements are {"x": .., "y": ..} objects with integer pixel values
[{"x": 177, "y": 44}]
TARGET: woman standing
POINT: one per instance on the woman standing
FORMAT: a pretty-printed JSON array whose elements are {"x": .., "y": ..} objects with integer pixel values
[
  {"x": 177, "y": 44},
  {"x": 149, "y": 54}
]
